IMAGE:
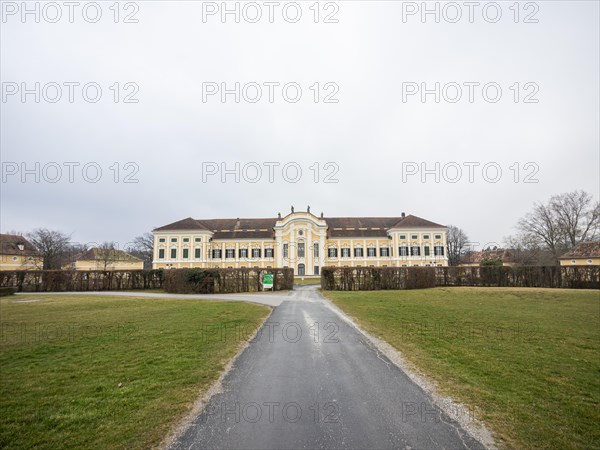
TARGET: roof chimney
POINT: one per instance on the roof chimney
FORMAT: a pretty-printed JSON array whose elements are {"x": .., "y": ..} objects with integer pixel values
[
  {"x": 403, "y": 215},
  {"x": 279, "y": 215},
  {"x": 237, "y": 224},
  {"x": 321, "y": 214}
]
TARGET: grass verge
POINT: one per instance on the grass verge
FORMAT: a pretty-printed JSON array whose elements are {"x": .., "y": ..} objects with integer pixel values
[
  {"x": 110, "y": 372},
  {"x": 307, "y": 281},
  {"x": 525, "y": 360}
]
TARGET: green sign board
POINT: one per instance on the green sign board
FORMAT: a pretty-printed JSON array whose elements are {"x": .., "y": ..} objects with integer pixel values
[{"x": 268, "y": 281}]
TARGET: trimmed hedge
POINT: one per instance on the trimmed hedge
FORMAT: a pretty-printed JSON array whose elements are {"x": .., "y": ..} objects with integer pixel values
[
  {"x": 6, "y": 291},
  {"x": 79, "y": 280},
  {"x": 377, "y": 278},
  {"x": 373, "y": 278},
  {"x": 222, "y": 281}
]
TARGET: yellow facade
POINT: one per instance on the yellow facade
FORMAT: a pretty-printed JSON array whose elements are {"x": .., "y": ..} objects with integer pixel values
[
  {"x": 305, "y": 242},
  {"x": 17, "y": 253},
  {"x": 583, "y": 254},
  {"x": 101, "y": 265},
  {"x": 19, "y": 262},
  {"x": 580, "y": 262},
  {"x": 104, "y": 259}
]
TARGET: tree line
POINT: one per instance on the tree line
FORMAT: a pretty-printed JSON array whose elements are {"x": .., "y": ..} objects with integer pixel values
[
  {"x": 548, "y": 231},
  {"x": 57, "y": 248},
  {"x": 545, "y": 233}
]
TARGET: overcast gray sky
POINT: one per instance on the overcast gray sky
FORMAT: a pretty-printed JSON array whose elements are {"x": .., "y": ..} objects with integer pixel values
[{"x": 373, "y": 136}]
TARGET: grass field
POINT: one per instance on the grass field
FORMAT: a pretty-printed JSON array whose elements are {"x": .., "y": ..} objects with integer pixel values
[
  {"x": 527, "y": 361},
  {"x": 109, "y": 372},
  {"x": 306, "y": 281}
]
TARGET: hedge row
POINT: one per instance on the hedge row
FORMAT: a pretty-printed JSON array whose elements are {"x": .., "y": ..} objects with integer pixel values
[
  {"x": 78, "y": 280},
  {"x": 374, "y": 278},
  {"x": 222, "y": 281}
]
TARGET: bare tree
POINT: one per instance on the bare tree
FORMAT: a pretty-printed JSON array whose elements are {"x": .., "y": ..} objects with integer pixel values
[
  {"x": 566, "y": 220},
  {"x": 457, "y": 241},
  {"x": 143, "y": 247},
  {"x": 578, "y": 216},
  {"x": 51, "y": 244},
  {"x": 526, "y": 251},
  {"x": 106, "y": 254},
  {"x": 541, "y": 227}
]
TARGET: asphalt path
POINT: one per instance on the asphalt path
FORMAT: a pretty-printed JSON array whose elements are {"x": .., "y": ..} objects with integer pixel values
[{"x": 309, "y": 379}]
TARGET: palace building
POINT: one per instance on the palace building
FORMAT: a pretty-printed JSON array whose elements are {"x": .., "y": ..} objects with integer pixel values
[{"x": 300, "y": 240}]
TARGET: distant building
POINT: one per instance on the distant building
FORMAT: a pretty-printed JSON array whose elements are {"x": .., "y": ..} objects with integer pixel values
[
  {"x": 17, "y": 253},
  {"x": 584, "y": 254},
  {"x": 302, "y": 241},
  {"x": 104, "y": 259},
  {"x": 500, "y": 257}
]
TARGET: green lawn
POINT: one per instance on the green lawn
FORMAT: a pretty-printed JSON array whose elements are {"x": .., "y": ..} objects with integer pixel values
[
  {"x": 110, "y": 372},
  {"x": 527, "y": 361},
  {"x": 306, "y": 281}
]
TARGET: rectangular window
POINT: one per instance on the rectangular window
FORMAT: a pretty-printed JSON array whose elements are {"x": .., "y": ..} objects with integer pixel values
[
  {"x": 332, "y": 252},
  {"x": 438, "y": 236},
  {"x": 186, "y": 239},
  {"x": 161, "y": 253},
  {"x": 197, "y": 239},
  {"x": 286, "y": 250},
  {"x": 414, "y": 237},
  {"x": 358, "y": 252},
  {"x": 269, "y": 253},
  {"x": 438, "y": 250},
  {"x": 415, "y": 251},
  {"x": 371, "y": 252},
  {"x": 301, "y": 250},
  {"x": 243, "y": 252},
  {"x": 316, "y": 249},
  {"x": 345, "y": 252},
  {"x": 229, "y": 253},
  {"x": 216, "y": 253},
  {"x": 197, "y": 253},
  {"x": 426, "y": 250},
  {"x": 256, "y": 252},
  {"x": 384, "y": 251},
  {"x": 186, "y": 253},
  {"x": 173, "y": 239},
  {"x": 161, "y": 240},
  {"x": 425, "y": 236},
  {"x": 402, "y": 236},
  {"x": 316, "y": 270},
  {"x": 403, "y": 250},
  {"x": 173, "y": 253}
]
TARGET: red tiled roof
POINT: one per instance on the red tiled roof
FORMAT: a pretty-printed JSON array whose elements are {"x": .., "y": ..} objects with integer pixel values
[
  {"x": 184, "y": 224},
  {"x": 411, "y": 221},
  {"x": 584, "y": 250},
  {"x": 503, "y": 255},
  {"x": 263, "y": 228},
  {"x": 9, "y": 245}
]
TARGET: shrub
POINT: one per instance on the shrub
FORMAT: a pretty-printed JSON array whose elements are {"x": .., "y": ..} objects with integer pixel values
[
  {"x": 222, "y": 281},
  {"x": 6, "y": 291}
]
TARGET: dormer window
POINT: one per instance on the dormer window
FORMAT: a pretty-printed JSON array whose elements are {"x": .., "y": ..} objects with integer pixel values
[{"x": 21, "y": 247}]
